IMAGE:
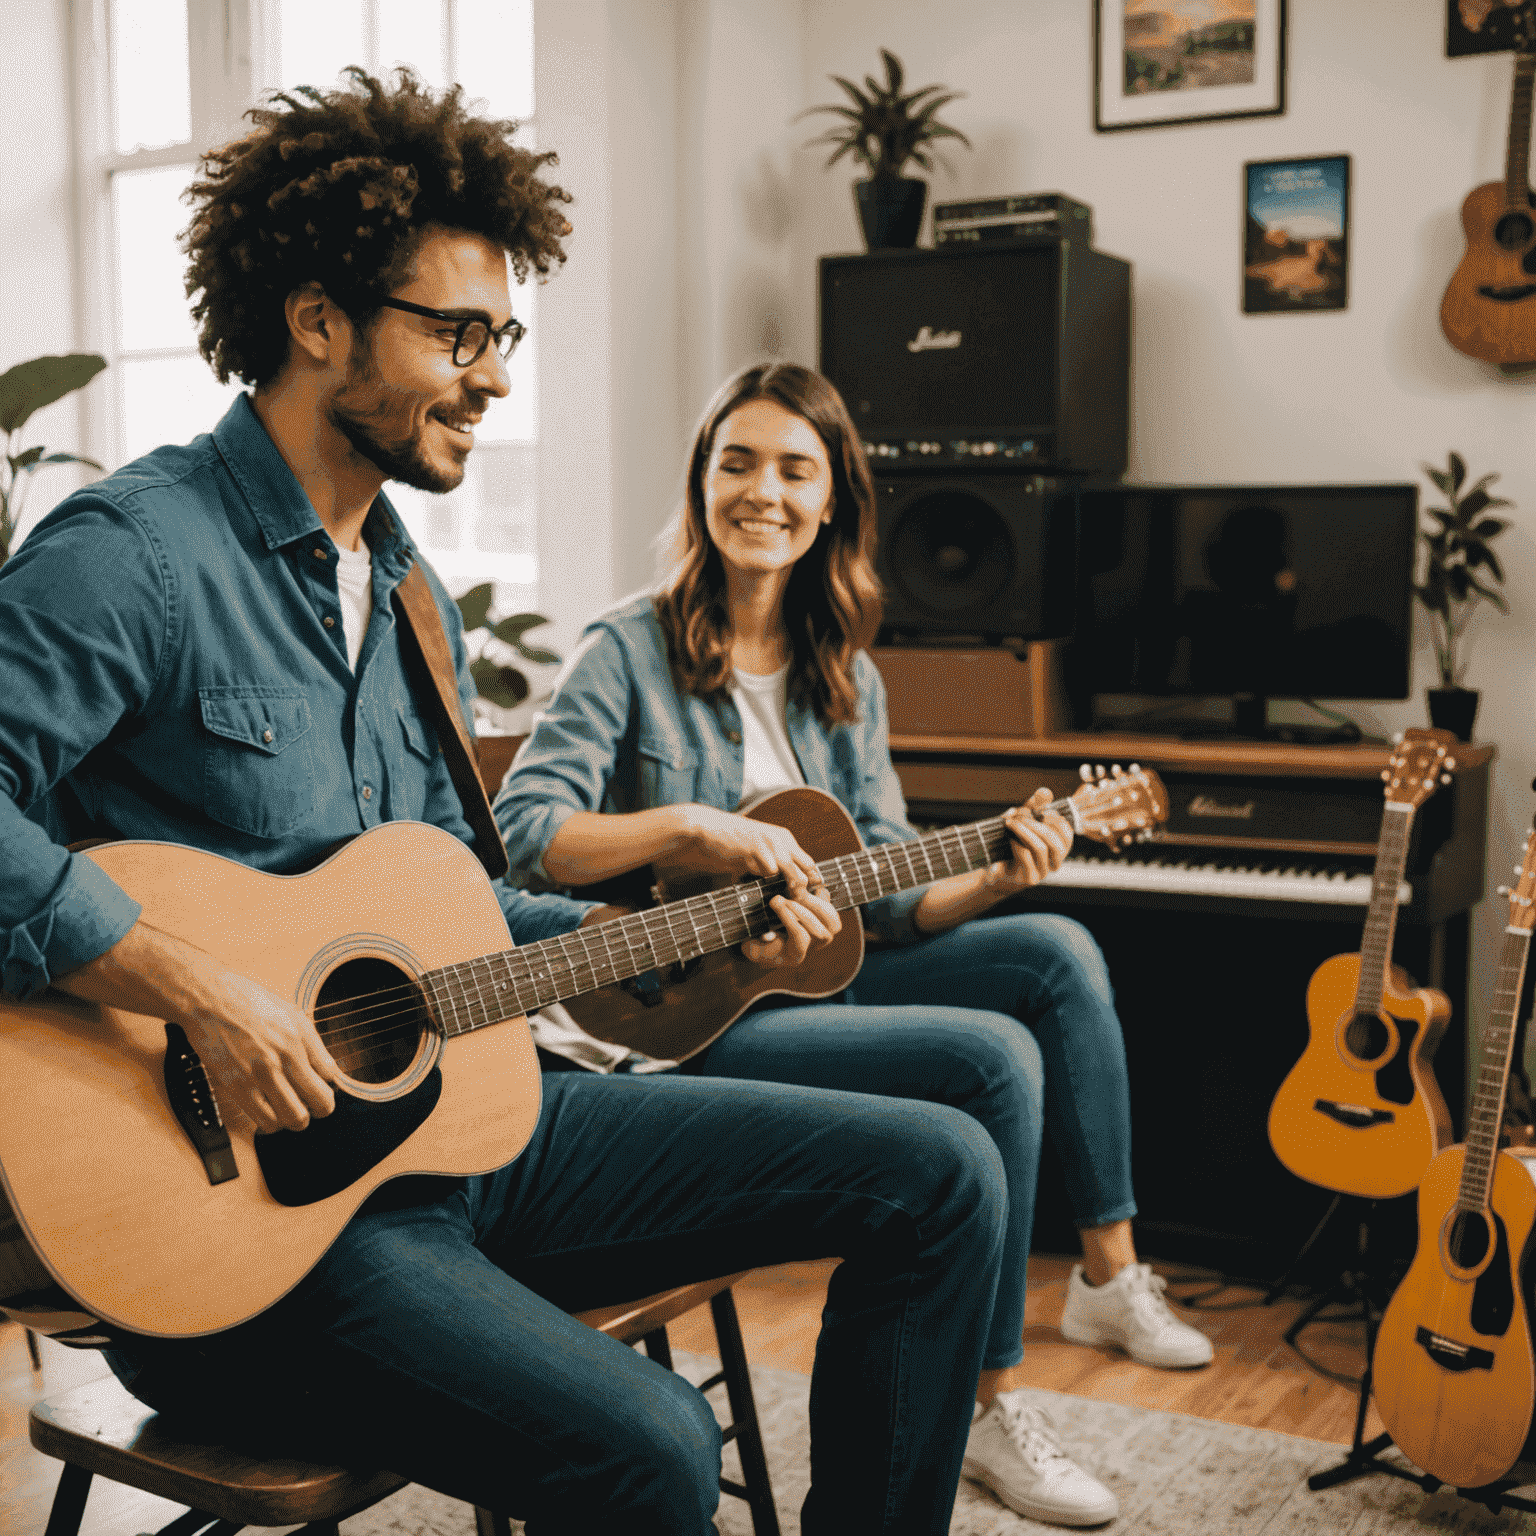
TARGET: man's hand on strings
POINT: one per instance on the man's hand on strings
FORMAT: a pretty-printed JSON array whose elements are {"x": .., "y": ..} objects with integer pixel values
[
  {"x": 1040, "y": 841},
  {"x": 805, "y": 924}
]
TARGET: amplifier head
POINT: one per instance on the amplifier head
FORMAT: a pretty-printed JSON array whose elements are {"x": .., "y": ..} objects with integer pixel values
[{"x": 991, "y": 556}]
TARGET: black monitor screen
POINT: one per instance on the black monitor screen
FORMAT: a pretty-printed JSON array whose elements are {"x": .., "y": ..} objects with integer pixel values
[{"x": 1276, "y": 591}]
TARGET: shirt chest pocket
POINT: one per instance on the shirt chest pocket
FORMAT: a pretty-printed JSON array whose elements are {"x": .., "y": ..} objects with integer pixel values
[
  {"x": 668, "y": 774},
  {"x": 258, "y": 770}
]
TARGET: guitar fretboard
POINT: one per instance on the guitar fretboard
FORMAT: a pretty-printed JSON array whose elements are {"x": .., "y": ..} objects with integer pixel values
[
  {"x": 1381, "y": 918},
  {"x": 1517, "y": 170},
  {"x": 484, "y": 991},
  {"x": 1493, "y": 1065}
]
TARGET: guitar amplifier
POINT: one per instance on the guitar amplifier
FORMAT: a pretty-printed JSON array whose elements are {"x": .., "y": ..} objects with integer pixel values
[{"x": 1001, "y": 356}]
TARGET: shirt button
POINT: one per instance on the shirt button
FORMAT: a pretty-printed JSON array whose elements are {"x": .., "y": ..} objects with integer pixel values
[
  {"x": 367, "y": 792},
  {"x": 329, "y": 623},
  {"x": 319, "y": 554},
  {"x": 266, "y": 735},
  {"x": 734, "y": 737}
]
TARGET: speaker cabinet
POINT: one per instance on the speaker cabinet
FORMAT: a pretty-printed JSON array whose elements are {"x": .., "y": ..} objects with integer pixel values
[
  {"x": 945, "y": 692},
  {"x": 991, "y": 556},
  {"x": 1012, "y": 353}
]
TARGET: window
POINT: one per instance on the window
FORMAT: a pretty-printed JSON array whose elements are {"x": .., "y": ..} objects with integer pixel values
[{"x": 166, "y": 79}]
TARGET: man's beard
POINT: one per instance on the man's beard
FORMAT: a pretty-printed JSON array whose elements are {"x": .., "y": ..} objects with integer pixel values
[{"x": 400, "y": 459}]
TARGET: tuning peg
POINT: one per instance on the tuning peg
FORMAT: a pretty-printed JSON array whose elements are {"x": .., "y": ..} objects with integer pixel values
[
  {"x": 1098, "y": 770},
  {"x": 1386, "y": 776},
  {"x": 1116, "y": 771},
  {"x": 1135, "y": 767},
  {"x": 1450, "y": 762},
  {"x": 1397, "y": 737},
  {"x": 1085, "y": 773},
  {"x": 1445, "y": 778},
  {"x": 1501, "y": 890}
]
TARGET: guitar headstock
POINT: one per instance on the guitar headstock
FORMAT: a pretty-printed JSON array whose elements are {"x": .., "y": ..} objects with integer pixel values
[
  {"x": 1522, "y": 899},
  {"x": 1421, "y": 763},
  {"x": 1117, "y": 807}
]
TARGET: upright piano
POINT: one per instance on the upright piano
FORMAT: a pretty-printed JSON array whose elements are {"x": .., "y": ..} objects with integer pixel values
[{"x": 1211, "y": 932}]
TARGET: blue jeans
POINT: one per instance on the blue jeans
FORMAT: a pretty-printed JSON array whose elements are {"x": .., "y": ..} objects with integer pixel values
[
  {"x": 432, "y": 1338},
  {"x": 940, "y": 1020}
]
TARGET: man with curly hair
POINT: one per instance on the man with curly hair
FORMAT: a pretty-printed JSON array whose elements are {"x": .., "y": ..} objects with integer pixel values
[{"x": 200, "y": 649}]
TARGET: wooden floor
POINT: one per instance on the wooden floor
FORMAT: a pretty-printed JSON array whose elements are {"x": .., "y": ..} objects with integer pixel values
[{"x": 1255, "y": 1379}]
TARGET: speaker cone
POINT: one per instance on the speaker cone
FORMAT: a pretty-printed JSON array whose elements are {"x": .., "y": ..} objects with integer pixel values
[{"x": 951, "y": 552}]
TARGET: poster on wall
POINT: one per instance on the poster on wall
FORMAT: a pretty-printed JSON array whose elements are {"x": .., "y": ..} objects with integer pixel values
[
  {"x": 1296, "y": 235},
  {"x": 1162, "y": 62},
  {"x": 1481, "y": 26}
]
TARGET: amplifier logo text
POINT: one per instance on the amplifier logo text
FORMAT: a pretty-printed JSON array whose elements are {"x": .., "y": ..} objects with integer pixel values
[
  {"x": 930, "y": 340},
  {"x": 1203, "y": 805}
]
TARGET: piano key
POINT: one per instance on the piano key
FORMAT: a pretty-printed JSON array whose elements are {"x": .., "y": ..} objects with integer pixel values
[{"x": 1336, "y": 887}]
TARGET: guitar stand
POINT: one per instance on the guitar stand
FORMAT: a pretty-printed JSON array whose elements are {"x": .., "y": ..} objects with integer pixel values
[{"x": 1364, "y": 1456}]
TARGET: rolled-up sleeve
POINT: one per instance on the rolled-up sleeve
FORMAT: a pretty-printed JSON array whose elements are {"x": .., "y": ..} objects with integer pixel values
[
  {"x": 77, "y": 659},
  {"x": 881, "y": 812},
  {"x": 568, "y": 759}
]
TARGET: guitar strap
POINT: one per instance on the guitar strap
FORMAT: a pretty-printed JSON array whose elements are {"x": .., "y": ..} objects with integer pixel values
[{"x": 429, "y": 661}]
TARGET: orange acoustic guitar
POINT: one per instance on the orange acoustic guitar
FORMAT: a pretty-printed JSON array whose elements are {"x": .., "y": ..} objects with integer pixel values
[
  {"x": 1452, "y": 1372},
  {"x": 1361, "y": 1112},
  {"x": 1489, "y": 309},
  {"x": 153, "y": 1212},
  {"x": 693, "y": 1005}
]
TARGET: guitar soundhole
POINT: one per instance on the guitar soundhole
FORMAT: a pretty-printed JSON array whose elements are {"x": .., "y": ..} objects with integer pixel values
[
  {"x": 1513, "y": 230},
  {"x": 371, "y": 1016},
  {"x": 1367, "y": 1037},
  {"x": 1468, "y": 1240}
]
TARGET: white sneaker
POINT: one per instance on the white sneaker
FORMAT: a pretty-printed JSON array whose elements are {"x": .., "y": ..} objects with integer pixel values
[
  {"x": 1130, "y": 1311},
  {"x": 1014, "y": 1450}
]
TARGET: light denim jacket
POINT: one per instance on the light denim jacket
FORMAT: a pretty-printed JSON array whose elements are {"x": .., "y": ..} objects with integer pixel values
[{"x": 618, "y": 736}]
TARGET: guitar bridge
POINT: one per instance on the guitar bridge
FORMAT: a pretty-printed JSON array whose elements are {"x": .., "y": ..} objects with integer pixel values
[
  {"x": 1450, "y": 1355},
  {"x": 1356, "y": 1116},
  {"x": 195, "y": 1108}
]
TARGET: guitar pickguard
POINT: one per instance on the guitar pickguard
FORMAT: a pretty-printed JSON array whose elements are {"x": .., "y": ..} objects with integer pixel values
[{"x": 302, "y": 1167}]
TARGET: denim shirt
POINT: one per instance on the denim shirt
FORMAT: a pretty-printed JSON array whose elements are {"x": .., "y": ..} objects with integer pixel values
[
  {"x": 618, "y": 736},
  {"x": 175, "y": 669}
]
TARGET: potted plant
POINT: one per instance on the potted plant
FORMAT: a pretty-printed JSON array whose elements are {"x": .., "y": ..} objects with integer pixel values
[
  {"x": 494, "y": 649},
  {"x": 882, "y": 130},
  {"x": 26, "y": 388},
  {"x": 1460, "y": 574}
]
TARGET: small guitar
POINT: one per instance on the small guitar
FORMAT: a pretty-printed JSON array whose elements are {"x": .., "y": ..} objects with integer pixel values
[
  {"x": 676, "y": 1014},
  {"x": 1489, "y": 309},
  {"x": 122, "y": 1184},
  {"x": 1453, "y": 1374},
  {"x": 1361, "y": 1112}
]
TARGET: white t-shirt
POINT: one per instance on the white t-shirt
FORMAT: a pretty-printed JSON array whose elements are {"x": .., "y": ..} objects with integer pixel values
[
  {"x": 354, "y": 584},
  {"x": 768, "y": 760}
]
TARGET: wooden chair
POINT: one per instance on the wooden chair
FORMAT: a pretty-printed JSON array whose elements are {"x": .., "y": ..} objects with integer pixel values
[{"x": 101, "y": 1430}]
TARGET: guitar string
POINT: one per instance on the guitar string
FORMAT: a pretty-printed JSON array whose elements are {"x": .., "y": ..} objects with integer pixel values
[{"x": 585, "y": 973}]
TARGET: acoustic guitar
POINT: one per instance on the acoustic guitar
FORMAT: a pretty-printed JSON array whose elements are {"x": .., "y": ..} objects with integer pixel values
[
  {"x": 1489, "y": 309},
  {"x": 1452, "y": 1372},
  {"x": 1361, "y": 1112},
  {"x": 129, "y": 1190},
  {"x": 676, "y": 1014}
]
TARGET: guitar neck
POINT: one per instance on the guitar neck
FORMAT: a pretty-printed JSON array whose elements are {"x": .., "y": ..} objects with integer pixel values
[
  {"x": 1517, "y": 167},
  {"x": 1381, "y": 918},
  {"x": 1494, "y": 1059},
  {"x": 484, "y": 991}
]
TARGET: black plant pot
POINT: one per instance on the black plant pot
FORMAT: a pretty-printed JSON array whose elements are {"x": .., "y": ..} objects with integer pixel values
[
  {"x": 1453, "y": 709},
  {"x": 891, "y": 210}
]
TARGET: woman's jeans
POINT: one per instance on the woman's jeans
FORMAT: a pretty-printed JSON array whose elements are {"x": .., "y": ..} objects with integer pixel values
[
  {"x": 433, "y": 1337},
  {"x": 940, "y": 1020}
]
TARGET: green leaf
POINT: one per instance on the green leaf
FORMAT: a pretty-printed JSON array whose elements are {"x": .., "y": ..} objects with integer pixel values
[
  {"x": 1471, "y": 504},
  {"x": 1488, "y": 528},
  {"x": 70, "y": 458},
  {"x": 893, "y": 69},
  {"x": 22, "y": 460},
  {"x": 475, "y": 605},
  {"x": 514, "y": 628},
  {"x": 505, "y": 686},
  {"x": 1439, "y": 476},
  {"x": 537, "y": 654},
  {"x": 30, "y": 386},
  {"x": 1458, "y": 471},
  {"x": 1459, "y": 579},
  {"x": 1434, "y": 593}
]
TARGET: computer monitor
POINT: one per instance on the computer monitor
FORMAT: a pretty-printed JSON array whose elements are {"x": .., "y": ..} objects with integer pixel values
[{"x": 1246, "y": 592}]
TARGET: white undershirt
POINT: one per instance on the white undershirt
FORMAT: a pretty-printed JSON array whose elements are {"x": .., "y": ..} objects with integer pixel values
[
  {"x": 768, "y": 760},
  {"x": 354, "y": 585}
]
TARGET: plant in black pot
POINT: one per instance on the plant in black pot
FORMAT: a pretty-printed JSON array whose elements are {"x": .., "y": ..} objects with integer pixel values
[
  {"x": 1460, "y": 574},
  {"x": 882, "y": 130}
]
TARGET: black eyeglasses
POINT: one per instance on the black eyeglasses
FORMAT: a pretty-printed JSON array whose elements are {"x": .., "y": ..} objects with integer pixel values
[{"x": 472, "y": 335}]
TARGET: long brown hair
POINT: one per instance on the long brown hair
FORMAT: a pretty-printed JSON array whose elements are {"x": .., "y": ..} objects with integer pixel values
[{"x": 832, "y": 600}]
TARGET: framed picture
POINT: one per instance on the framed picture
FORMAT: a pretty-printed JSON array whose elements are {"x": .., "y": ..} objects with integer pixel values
[
  {"x": 1295, "y": 235},
  {"x": 1161, "y": 62},
  {"x": 1481, "y": 26}
]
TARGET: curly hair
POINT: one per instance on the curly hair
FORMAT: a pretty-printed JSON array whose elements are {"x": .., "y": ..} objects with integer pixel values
[
  {"x": 832, "y": 601},
  {"x": 337, "y": 188}
]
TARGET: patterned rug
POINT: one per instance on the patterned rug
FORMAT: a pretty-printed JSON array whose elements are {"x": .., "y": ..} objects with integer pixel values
[{"x": 1173, "y": 1475}]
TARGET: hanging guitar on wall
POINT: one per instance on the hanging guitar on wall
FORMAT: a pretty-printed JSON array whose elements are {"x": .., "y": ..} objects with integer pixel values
[
  {"x": 1489, "y": 309},
  {"x": 1361, "y": 1112}
]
